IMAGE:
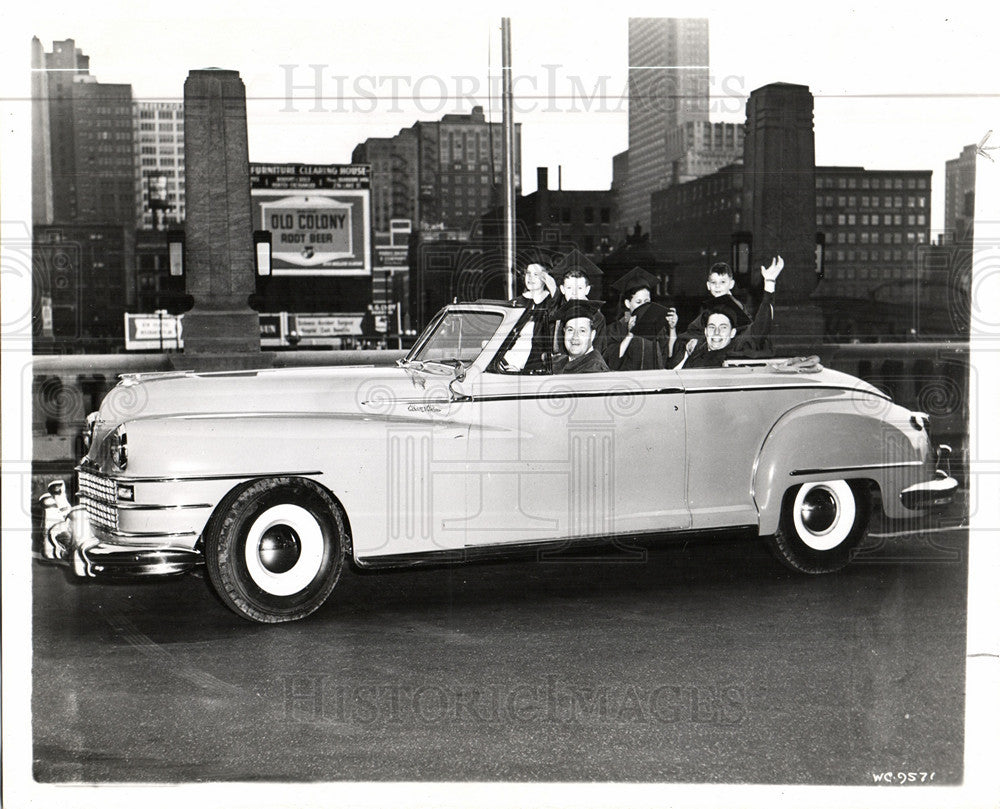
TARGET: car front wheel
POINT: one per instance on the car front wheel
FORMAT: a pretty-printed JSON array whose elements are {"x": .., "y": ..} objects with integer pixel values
[
  {"x": 275, "y": 548},
  {"x": 822, "y": 523}
]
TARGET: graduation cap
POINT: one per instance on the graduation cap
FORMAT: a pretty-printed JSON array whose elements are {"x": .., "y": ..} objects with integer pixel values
[
  {"x": 575, "y": 260},
  {"x": 728, "y": 307},
  {"x": 650, "y": 318},
  {"x": 636, "y": 278},
  {"x": 578, "y": 308}
]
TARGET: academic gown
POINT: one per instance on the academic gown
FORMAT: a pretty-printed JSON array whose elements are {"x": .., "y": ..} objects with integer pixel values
[
  {"x": 749, "y": 342},
  {"x": 641, "y": 354},
  {"x": 589, "y": 363}
]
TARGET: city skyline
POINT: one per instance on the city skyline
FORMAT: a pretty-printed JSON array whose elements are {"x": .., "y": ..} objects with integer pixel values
[{"x": 869, "y": 112}]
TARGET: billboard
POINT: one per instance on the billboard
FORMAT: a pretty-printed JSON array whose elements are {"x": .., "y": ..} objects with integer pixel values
[{"x": 319, "y": 217}]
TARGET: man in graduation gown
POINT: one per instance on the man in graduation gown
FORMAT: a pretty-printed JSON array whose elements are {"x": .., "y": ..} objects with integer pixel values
[
  {"x": 750, "y": 338},
  {"x": 723, "y": 322},
  {"x": 577, "y": 317},
  {"x": 720, "y": 285}
]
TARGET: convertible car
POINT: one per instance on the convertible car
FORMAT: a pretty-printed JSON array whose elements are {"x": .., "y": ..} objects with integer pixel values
[{"x": 271, "y": 479}]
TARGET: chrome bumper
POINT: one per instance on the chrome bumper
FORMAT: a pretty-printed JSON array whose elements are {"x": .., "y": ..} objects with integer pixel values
[
  {"x": 68, "y": 539},
  {"x": 931, "y": 494}
]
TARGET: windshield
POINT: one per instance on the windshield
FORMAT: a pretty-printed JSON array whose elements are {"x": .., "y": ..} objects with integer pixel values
[{"x": 456, "y": 337}]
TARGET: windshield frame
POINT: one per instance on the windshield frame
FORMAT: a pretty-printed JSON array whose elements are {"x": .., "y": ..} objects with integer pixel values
[{"x": 413, "y": 356}]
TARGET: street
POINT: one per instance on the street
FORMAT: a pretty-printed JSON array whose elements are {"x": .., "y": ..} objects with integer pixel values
[{"x": 704, "y": 663}]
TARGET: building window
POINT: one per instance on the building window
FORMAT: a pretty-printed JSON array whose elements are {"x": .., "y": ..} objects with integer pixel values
[
  {"x": 588, "y": 218},
  {"x": 605, "y": 216},
  {"x": 852, "y": 219},
  {"x": 564, "y": 216}
]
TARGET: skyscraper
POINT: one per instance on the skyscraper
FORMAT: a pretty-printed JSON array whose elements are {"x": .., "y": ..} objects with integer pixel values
[
  {"x": 668, "y": 86},
  {"x": 158, "y": 132},
  {"x": 960, "y": 195},
  {"x": 82, "y": 161},
  {"x": 438, "y": 173}
]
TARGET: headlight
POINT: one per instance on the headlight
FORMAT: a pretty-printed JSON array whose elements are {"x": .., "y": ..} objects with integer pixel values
[
  {"x": 117, "y": 447},
  {"x": 88, "y": 431}
]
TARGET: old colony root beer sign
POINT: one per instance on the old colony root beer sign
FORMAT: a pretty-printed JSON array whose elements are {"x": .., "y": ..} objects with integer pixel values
[{"x": 318, "y": 217}]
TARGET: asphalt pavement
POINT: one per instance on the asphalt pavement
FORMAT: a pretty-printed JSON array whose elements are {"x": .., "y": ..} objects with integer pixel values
[{"x": 702, "y": 663}]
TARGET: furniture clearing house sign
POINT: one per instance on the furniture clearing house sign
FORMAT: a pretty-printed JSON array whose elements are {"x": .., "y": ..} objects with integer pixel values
[{"x": 318, "y": 217}]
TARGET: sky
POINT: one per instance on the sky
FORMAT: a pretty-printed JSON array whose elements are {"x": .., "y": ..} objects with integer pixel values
[{"x": 896, "y": 87}]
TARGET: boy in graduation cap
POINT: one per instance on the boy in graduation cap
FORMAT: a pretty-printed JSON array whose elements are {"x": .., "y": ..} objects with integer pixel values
[
  {"x": 575, "y": 286},
  {"x": 577, "y": 317}
]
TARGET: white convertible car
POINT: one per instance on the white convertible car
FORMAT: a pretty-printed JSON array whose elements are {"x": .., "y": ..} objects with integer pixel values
[{"x": 272, "y": 478}]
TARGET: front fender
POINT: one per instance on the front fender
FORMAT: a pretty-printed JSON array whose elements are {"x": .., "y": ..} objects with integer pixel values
[{"x": 852, "y": 439}]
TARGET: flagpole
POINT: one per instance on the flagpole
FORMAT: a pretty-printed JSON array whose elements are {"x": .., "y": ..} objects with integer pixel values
[{"x": 508, "y": 157}]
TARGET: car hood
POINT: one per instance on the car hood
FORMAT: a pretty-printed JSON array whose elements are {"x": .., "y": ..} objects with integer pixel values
[{"x": 349, "y": 390}]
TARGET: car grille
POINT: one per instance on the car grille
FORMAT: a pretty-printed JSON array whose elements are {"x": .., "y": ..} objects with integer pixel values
[{"x": 99, "y": 496}]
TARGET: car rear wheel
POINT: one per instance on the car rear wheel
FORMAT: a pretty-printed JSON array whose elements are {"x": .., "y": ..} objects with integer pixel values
[
  {"x": 822, "y": 523},
  {"x": 275, "y": 548}
]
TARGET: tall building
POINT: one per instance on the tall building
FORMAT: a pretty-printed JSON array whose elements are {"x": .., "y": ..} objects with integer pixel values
[
  {"x": 875, "y": 228},
  {"x": 158, "y": 135},
  {"x": 697, "y": 148},
  {"x": 960, "y": 195},
  {"x": 440, "y": 174},
  {"x": 82, "y": 160},
  {"x": 872, "y": 222},
  {"x": 779, "y": 198},
  {"x": 395, "y": 186},
  {"x": 668, "y": 86}
]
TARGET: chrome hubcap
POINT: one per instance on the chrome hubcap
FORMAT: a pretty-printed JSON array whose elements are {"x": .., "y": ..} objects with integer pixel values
[
  {"x": 824, "y": 514},
  {"x": 279, "y": 549},
  {"x": 819, "y": 511}
]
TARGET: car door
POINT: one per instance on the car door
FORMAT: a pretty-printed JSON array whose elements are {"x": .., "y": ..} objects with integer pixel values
[{"x": 575, "y": 456}]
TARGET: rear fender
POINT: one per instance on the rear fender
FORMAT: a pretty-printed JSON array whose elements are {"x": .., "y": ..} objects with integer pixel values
[{"x": 859, "y": 439}]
